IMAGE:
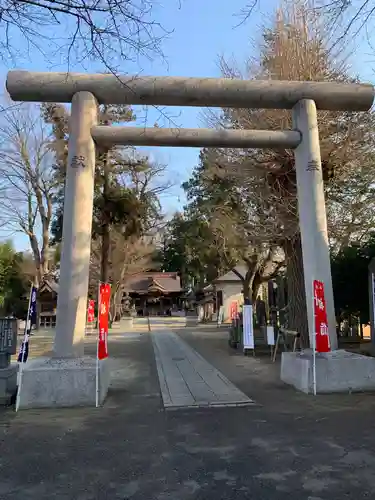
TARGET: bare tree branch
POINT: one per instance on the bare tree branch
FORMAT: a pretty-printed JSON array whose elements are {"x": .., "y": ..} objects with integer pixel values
[
  {"x": 27, "y": 184},
  {"x": 128, "y": 257},
  {"x": 109, "y": 30},
  {"x": 297, "y": 46}
]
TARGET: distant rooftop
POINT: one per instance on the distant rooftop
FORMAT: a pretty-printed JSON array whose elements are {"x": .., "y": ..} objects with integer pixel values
[
  {"x": 231, "y": 276},
  {"x": 49, "y": 285},
  {"x": 149, "y": 282}
]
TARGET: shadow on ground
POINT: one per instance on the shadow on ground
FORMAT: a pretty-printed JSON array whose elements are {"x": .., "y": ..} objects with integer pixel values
[{"x": 289, "y": 446}]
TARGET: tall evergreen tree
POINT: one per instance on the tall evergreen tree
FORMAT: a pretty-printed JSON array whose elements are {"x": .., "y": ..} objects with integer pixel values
[
  {"x": 13, "y": 284},
  {"x": 295, "y": 48}
]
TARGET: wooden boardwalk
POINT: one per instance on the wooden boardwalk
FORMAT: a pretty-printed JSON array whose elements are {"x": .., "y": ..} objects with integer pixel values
[{"x": 187, "y": 380}]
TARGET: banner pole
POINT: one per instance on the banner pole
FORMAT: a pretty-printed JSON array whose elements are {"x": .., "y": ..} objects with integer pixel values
[
  {"x": 314, "y": 344},
  {"x": 97, "y": 351},
  {"x": 23, "y": 350}
]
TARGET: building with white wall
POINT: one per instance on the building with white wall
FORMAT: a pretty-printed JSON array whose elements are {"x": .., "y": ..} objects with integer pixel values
[{"x": 229, "y": 289}]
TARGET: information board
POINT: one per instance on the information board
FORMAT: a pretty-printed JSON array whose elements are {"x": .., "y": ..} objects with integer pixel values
[
  {"x": 8, "y": 335},
  {"x": 220, "y": 315},
  {"x": 270, "y": 335},
  {"x": 248, "y": 328}
]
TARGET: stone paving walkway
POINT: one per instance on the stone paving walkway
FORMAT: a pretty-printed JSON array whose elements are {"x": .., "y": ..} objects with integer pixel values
[
  {"x": 187, "y": 380},
  {"x": 287, "y": 446}
]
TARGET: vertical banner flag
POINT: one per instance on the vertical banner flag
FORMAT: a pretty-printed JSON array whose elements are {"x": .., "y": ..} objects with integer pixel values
[
  {"x": 248, "y": 328},
  {"x": 91, "y": 311},
  {"x": 320, "y": 315},
  {"x": 234, "y": 310},
  {"x": 30, "y": 321},
  {"x": 220, "y": 315},
  {"x": 103, "y": 316},
  {"x": 270, "y": 335}
]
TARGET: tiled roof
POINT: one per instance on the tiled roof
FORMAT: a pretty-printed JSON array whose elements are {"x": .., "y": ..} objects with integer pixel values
[
  {"x": 140, "y": 283},
  {"x": 150, "y": 282},
  {"x": 49, "y": 285}
]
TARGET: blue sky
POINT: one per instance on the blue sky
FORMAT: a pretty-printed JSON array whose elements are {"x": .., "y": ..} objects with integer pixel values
[{"x": 202, "y": 31}]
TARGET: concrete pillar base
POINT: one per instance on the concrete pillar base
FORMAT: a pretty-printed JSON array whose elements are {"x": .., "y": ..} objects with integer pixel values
[
  {"x": 337, "y": 371},
  {"x": 8, "y": 383},
  {"x": 126, "y": 323},
  {"x": 68, "y": 382}
]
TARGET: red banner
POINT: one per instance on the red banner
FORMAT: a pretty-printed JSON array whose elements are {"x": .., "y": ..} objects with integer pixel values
[
  {"x": 321, "y": 323},
  {"x": 233, "y": 310},
  {"x": 91, "y": 311},
  {"x": 103, "y": 316}
]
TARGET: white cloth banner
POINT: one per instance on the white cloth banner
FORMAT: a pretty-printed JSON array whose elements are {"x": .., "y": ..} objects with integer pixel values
[
  {"x": 270, "y": 335},
  {"x": 200, "y": 313},
  {"x": 248, "y": 329},
  {"x": 220, "y": 316}
]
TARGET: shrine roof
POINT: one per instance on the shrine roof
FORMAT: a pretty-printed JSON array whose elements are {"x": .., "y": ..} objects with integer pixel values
[
  {"x": 151, "y": 282},
  {"x": 49, "y": 285}
]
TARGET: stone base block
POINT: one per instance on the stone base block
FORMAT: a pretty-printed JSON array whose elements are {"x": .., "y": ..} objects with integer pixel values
[
  {"x": 337, "y": 371},
  {"x": 126, "y": 323},
  {"x": 8, "y": 383},
  {"x": 53, "y": 382}
]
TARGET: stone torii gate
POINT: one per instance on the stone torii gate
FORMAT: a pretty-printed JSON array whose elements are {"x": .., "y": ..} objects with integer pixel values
[{"x": 69, "y": 378}]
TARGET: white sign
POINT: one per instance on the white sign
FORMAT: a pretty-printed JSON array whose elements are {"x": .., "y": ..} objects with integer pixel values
[
  {"x": 200, "y": 313},
  {"x": 270, "y": 335},
  {"x": 248, "y": 329},
  {"x": 220, "y": 316}
]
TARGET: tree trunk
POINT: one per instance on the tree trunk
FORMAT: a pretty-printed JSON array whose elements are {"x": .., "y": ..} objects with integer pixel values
[
  {"x": 44, "y": 254},
  {"x": 247, "y": 290},
  {"x": 106, "y": 237},
  {"x": 296, "y": 312},
  {"x": 255, "y": 287},
  {"x": 106, "y": 243},
  {"x": 39, "y": 272},
  {"x": 116, "y": 302}
]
